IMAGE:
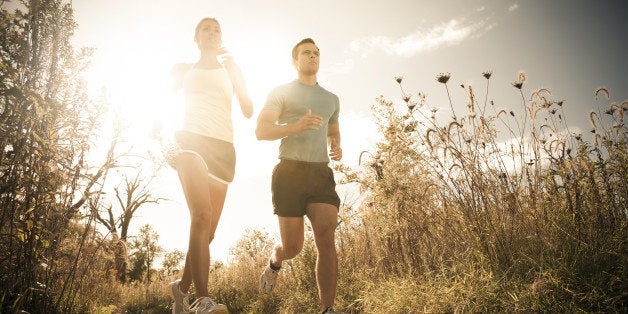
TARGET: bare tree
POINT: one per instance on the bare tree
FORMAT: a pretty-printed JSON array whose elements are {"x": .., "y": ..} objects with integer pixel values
[{"x": 130, "y": 196}]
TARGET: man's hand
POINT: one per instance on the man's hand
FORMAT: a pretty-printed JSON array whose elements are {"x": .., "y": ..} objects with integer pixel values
[
  {"x": 309, "y": 122},
  {"x": 335, "y": 151}
]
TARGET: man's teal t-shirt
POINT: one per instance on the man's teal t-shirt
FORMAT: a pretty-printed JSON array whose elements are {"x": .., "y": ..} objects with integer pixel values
[{"x": 292, "y": 101}]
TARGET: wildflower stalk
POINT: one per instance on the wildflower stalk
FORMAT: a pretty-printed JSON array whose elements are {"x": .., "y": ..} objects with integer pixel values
[
  {"x": 487, "y": 75},
  {"x": 450, "y": 103},
  {"x": 525, "y": 112}
]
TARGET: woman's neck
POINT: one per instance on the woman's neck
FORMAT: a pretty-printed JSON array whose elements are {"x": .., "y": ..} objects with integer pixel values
[{"x": 208, "y": 59}]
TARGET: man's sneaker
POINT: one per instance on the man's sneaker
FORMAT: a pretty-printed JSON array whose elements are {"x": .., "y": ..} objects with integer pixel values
[
  {"x": 268, "y": 278},
  {"x": 181, "y": 303},
  {"x": 205, "y": 305}
]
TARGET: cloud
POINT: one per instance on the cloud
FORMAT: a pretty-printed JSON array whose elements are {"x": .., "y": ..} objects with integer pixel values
[
  {"x": 513, "y": 7},
  {"x": 441, "y": 35},
  {"x": 445, "y": 34},
  {"x": 341, "y": 67}
]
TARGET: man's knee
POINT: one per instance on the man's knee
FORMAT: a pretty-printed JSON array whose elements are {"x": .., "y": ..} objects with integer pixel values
[{"x": 325, "y": 237}]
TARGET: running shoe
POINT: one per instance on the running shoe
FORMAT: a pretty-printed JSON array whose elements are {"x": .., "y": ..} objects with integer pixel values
[
  {"x": 181, "y": 303},
  {"x": 205, "y": 305},
  {"x": 268, "y": 278}
]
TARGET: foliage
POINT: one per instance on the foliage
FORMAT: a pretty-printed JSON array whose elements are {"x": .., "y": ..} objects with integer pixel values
[
  {"x": 51, "y": 190},
  {"x": 47, "y": 126},
  {"x": 172, "y": 262},
  {"x": 518, "y": 194},
  {"x": 144, "y": 250}
]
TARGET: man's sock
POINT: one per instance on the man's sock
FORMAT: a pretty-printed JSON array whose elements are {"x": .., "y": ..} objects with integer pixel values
[{"x": 273, "y": 267}]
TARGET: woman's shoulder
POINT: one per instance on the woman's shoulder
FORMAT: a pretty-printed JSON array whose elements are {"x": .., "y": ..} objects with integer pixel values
[{"x": 180, "y": 68}]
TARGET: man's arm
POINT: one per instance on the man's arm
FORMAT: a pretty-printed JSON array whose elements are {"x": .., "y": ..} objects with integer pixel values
[
  {"x": 268, "y": 129},
  {"x": 333, "y": 140}
]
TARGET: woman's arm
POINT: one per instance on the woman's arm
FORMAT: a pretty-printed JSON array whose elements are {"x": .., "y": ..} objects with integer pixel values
[{"x": 239, "y": 86}]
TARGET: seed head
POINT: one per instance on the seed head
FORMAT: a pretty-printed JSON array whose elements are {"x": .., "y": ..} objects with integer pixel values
[
  {"x": 399, "y": 79},
  {"x": 443, "y": 77},
  {"x": 602, "y": 90},
  {"x": 487, "y": 74},
  {"x": 521, "y": 78},
  {"x": 592, "y": 116}
]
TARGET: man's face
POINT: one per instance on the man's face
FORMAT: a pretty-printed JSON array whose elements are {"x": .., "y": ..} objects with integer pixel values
[
  {"x": 209, "y": 35},
  {"x": 308, "y": 58}
]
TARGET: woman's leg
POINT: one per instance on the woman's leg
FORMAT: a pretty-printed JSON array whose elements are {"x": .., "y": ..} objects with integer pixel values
[{"x": 205, "y": 198}]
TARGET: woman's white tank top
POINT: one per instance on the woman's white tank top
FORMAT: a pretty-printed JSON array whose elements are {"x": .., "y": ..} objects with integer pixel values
[{"x": 208, "y": 99}]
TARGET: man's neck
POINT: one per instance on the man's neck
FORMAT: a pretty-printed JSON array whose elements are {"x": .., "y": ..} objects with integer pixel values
[{"x": 308, "y": 79}]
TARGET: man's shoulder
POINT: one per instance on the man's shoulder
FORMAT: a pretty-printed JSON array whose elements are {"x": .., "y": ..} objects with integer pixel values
[
  {"x": 327, "y": 92},
  {"x": 282, "y": 88}
]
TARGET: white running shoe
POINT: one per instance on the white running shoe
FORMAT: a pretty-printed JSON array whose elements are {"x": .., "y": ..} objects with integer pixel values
[
  {"x": 181, "y": 303},
  {"x": 268, "y": 278},
  {"x": 205, "y": 305}
]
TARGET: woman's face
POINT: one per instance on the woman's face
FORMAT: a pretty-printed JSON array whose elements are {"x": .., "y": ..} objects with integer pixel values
[{"x": 208, "y": 35}]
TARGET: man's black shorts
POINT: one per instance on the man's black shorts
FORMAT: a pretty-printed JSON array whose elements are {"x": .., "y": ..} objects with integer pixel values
[{"x": 298, "y": 183}]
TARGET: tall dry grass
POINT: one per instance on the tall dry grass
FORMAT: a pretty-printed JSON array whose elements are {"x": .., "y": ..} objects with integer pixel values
[{"x": 493, "y": 210}]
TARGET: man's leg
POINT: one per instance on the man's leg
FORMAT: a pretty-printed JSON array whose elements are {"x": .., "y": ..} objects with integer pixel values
[
  {"x": 324, "y": 220},
  {"x": 291, "y": 231}
]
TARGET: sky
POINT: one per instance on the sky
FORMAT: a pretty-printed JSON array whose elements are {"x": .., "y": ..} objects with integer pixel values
[{"x": 571, "y": 47}]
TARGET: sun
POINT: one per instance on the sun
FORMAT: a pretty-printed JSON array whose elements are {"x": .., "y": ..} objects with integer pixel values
[{"x": 135, "y": 82}]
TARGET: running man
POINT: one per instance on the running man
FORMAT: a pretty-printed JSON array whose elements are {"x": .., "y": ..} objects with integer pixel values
[{"x": 304, "y": 116}]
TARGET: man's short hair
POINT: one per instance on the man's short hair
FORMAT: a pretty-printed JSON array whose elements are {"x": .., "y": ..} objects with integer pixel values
[{"x": 295, "y": 50}]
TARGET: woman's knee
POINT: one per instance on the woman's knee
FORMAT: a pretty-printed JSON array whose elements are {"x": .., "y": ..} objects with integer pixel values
[{"x": 201, "y": 217}]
